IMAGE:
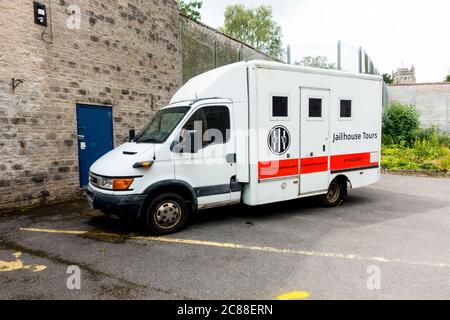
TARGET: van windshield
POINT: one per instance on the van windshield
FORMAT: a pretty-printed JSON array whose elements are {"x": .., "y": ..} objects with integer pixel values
[{"x": 162, "y": 125}]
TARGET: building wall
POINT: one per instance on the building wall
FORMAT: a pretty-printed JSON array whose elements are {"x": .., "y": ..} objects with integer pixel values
[
  {"x": 432, "y": 100},
  {"x": 404, "y": 76},
  {"x": 125, "y": 52},
  {"x": 129, "y": 54}
]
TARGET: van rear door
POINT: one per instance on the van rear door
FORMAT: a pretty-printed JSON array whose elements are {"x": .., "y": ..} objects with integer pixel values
[{"x": 314, "y": 141}]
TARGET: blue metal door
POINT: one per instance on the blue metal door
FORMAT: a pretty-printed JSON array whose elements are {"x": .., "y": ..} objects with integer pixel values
[{"x": 95, "y": 137}]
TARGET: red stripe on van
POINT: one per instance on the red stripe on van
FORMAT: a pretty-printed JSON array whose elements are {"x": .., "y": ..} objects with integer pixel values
[
  {"x": 277, "y": 168},
  {"x": 289, "y": 167},
  {"x": 313, "y": 165},
  {"x": 351, "y": 161}
]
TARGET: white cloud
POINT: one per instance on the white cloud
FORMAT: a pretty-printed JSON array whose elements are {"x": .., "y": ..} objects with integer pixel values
[{"x": 393, "y": 32}]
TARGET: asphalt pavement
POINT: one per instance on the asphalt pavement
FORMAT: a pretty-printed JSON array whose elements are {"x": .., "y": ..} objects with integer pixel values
[{"x": 387, "y": 241}]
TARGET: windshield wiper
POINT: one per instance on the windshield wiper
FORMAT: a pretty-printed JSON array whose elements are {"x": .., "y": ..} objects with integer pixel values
[{"x": 151, "y": 140}]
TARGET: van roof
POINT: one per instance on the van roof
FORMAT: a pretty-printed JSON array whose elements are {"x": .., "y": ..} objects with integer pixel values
[
  {"x": 291, "y": 67},
  {"x": 211, "y": 83}
]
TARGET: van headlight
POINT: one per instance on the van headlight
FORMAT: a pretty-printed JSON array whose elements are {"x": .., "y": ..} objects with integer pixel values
[
  {"x": 105, "y": 183},
  {"x": 113, "y": 184}
]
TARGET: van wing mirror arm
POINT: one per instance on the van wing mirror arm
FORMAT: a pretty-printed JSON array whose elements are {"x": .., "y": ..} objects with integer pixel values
[
  {"x": 174, "y": 144},
  {"x": 132, "y": 135}
]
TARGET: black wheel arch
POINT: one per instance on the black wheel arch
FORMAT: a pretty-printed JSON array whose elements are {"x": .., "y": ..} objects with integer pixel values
[
  {"x": 172, "y": 186},
  {"x": 343, "y": 179}
]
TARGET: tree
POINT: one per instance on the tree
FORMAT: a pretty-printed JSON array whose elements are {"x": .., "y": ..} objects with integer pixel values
[
  {"x": 255, "y": 27},
  {"x": 191, "y": 9},
  {"x": 388, "y": 79},
  {"x": 316, "y": 62},
  {"x": 447, "y": 78}
]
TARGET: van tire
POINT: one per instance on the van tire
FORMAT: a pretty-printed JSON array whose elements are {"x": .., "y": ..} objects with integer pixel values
[
  {"x": 334, "y": 196},
  {"x": 167, "y": 213}
]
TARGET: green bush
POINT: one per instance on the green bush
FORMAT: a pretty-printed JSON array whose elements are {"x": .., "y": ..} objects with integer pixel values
[
  {"x": 428, "y": 149},
  {"x": 401, "y": 122},
  {"x": 444, "y": 140},
  {"x": 433, "y": 134},
  {"x": 444, "y": 164},
  {"x": 425, "y": 134},
  {"x": 386, "y": 140}
]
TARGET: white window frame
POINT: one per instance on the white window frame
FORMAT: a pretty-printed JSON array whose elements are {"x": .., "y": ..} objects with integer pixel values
[
  {"x": 339, "y": 109},
  {"x": 308, "y": 118},
  {"x": 277, "y": 94}
]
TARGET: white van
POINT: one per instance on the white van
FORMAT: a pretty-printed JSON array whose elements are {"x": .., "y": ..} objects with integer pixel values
[{"x": 251, "y": 132}]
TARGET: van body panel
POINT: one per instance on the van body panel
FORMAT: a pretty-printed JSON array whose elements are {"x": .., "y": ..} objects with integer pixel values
[
  {"x": 292, "y": 131},
  {"x": 315, "y": 150}
]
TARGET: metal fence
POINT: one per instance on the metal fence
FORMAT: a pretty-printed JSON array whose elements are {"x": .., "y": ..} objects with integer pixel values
[
  {"x": 204, "y": 48},
  {"x": 353, "y": 59}
]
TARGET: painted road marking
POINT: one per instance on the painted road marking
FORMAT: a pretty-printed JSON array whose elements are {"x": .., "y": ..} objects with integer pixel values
[
  {"x": 252, "y": 248},
  {"x": 295, "y": 295},
  {"x": 17, "y": 264},
  {"x": 54, "y": 231}
]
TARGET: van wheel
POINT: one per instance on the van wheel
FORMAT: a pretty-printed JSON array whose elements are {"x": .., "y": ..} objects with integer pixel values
[
  {"x": 335, "y": 194},
  {"x": 166, "y": 214}
]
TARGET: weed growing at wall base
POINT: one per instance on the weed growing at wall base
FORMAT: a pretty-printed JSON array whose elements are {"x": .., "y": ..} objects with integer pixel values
[
  {"x": 423, "y": 155},
  {"x": 408, "y": 147},
  {"x": 398, "y": 158}
]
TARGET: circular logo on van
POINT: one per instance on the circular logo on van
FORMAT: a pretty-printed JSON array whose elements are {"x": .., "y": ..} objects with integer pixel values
[{"x": 279, "y": 140}]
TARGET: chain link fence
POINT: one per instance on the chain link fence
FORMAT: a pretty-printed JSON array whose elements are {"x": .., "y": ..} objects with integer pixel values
[{"x": 204, "y": 48}]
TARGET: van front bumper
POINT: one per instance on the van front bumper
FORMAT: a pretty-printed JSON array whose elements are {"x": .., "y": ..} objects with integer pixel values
[{"x": 126, "y": 207}]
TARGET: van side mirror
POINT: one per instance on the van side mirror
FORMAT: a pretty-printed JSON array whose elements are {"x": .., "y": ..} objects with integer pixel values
[
  {"x": 132, "y": 135},
  {"x": 184, "y": 145},
  {"x": 174, "y": 145},
  {"x": 177, "y": 145}
]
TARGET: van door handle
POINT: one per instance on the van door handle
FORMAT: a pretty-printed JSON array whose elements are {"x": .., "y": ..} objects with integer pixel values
[
  {"x": 324, "y": 148},
  {"x": 231, "y": 158}
]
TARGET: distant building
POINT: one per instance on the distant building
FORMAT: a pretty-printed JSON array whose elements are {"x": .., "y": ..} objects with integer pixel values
[{"x": 404, "y": 76}]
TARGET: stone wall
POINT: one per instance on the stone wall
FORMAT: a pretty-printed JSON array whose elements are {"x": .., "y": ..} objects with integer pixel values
[
  {"x": 124, "y": 53},
  {"x": 129, "y": 54},
  {"x": 432, "y": 100}
]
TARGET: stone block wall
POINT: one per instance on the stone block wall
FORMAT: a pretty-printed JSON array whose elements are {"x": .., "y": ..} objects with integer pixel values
[
  {"x": 432, "y": 100},
  {"x": 125, "y": 54}
]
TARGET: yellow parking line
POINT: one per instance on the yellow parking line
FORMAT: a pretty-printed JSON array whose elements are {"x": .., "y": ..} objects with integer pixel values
[
  {"x": 252, "y": 248},
  {"x": 295, "y": 295},
  {"x": 53, "y": 231},
  {"x": 17, "y": 264}
]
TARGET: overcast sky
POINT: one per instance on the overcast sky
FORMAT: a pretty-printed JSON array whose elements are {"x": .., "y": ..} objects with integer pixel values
[{"x": 393, "y": 32}]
